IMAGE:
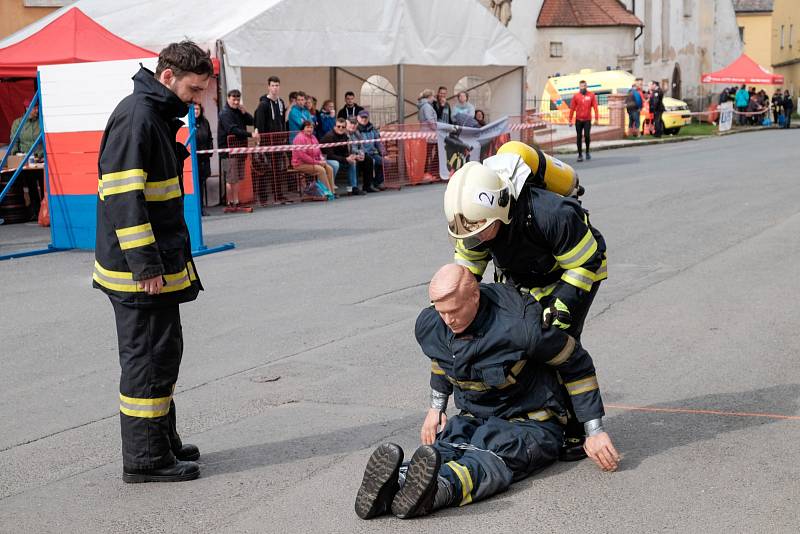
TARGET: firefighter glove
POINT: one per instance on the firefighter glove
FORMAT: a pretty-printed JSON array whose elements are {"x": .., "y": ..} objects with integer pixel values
[{"x": 557, "y": 314}]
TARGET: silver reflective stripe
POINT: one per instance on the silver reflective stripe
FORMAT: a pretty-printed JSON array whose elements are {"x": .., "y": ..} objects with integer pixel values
[
  {"x": 115, "y": 280},
  {"x": 134, "y": 237},
  {"x": 156, "y": 192},
  {"x": 468, "y": 264},
  {"x": 110, "y": 184},
  {"x": 573, "y": 257},
  {"x": 145, "y": 407},
  {"x": 579, "y": 277},
  {"x": 178, "y": 282},
  {"x": 602, "y": 270}
]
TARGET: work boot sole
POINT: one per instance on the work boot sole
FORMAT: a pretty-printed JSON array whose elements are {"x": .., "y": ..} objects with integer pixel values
[
  {"x": 380, "y": 482},
  {"x": 136, "y": 478},
  {"x": 416, "y": 496}
]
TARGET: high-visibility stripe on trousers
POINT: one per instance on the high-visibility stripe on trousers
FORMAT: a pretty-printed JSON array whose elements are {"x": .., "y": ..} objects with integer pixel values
[
  {"x": 483, "y": 457},
  {"x": 150, "y": 349}
]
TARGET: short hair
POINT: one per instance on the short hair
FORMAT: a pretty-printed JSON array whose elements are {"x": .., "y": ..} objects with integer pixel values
[
  {"x": 184, "y": 58},
  {"x": 340, "y": 120},
  {"x": 300, "y": 93},
  {"x": 638, "y": 79},
  {"x": 442, "y": 87},
  {"x": 352, "y": 120},
  {"x": 349, "y": 93},
  {"x": 293, "y": 95},
  {"x": 655, "y": 83},
  {"x": 235, "y": 92},
  {"x": 273, "y": 79},
  {"x": 304, "y": 124},
  {"x": 463, "y": 93},
  {"x": 582, "y": 81},
  {"x": 426, "y": 93}
]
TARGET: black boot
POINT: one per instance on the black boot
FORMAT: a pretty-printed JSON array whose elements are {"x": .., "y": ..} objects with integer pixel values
[
  {"x": 572, "y": 449},
  {"x": 177, "y": 472},
  {"x": 416, "y": 497},
  {"x": 380, "y": 483},
  {"x": 187, "y": 453}
]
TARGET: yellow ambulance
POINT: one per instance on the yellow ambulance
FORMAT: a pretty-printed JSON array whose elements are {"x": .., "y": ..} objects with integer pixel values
[{"x": 558, "y": 92}]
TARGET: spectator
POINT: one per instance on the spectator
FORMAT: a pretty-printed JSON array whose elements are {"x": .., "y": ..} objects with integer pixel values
[
  {"x": 270, "y": 121},
  {"x": 427, "y": 120},
  {"x": 311, "y": 106},
  {"x": 327, "y": 118},
  {"x": 374, "y": 150},
  {"x": 292, "y": 102},
  {"x": 297, "y": 115},
  {"x": 350, "y": 109},
  {"x": 777, "y": 105},
  {"x": 634, "y": 101},
  {"x": 581, "y": 106},
  {"x": 310, "y": 161},
  {"x": 657, "y": 107},
  {"x": 346, "y": 161},
  {"x": 788, "y": 108},
  {"x": 233, "y": 121},
  {"x": 205, "y": 141},
  {"x": 463, "y": 107},
  {"x": 480, "y": 117},
  {"x": 28, "y": 134},
  {"x": 724, "y": 96},
  {"x": 742, "y": 100},
  {"x": 364, "y": 164},
  {"x": 442, "y": 108}
]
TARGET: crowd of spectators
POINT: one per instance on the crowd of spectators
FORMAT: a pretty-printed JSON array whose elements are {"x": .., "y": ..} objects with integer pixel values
[{"x": 754, "y": 106}]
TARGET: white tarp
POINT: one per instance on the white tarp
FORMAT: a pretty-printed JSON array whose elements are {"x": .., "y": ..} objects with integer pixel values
[{"x": 312, "y": 33}]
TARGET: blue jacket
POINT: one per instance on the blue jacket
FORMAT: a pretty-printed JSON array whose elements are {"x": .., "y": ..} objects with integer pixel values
[
  {"x": 742, "y": 98},
  {"x": 325, "y": 124},
  {"x": 369, "y": 132},
  {"x": 296, "y": 117}
]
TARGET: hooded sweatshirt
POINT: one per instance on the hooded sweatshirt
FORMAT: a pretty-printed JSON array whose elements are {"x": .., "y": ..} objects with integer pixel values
[{"x": 269, "y": 115}]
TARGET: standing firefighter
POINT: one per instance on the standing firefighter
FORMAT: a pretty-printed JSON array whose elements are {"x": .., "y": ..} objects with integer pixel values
[
  {"x": 143, "y": 259},
  {"x": 540, "y": 241}
]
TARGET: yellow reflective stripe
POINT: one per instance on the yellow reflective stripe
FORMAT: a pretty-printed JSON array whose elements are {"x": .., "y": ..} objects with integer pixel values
[
  {"x": 176, "y": 281},
  {"x": 465, "y": 384},
  {"x": 192, "y": 274},
  {"x": 539, "y": 292},
  {"x": 436, "y": 369},
  {"x": 135, "y": 236},
  {"x": 564, "y": 353},
  {"x": 115, "y": 274},
  {"x": 474, "y": 267},
  {"x": 581, "y": 252},
  {"x": 466, "y": 481},
  {"x": 602, "y": 272},
  {"x": 123, "y": 281},
  {"x": 540, "y": 415},
  {"x": 162, "y": 190},
  {"x": 123, "y": 175},
  {"x": 147, "y": 408},
  {"x": 579, "y": 277},
  {"x": 582, "y": 386},
  {"x": 483, "y": 386}
]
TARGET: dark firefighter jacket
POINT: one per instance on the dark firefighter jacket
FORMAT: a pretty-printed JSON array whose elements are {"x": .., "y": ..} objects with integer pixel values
[
  {"x": 141, "y": 232},
  {"x": 504, "y": 365},
  {"x": 549, "y": 248}
]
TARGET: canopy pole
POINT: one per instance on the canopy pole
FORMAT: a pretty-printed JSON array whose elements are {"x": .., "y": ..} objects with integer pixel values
[
  {"x": 523, "y": 97},
  {"x": 401, "y": 119},
  {"x": 332, "y": 84}
]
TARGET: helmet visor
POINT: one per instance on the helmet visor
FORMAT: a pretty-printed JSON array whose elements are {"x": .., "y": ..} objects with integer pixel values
[{"x": 467, "y": 231}]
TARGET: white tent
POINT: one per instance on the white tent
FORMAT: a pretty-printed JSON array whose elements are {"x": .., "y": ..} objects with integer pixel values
[{"x": 327, "y": 47}]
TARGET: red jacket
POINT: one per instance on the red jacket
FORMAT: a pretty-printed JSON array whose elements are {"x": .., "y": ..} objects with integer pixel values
[{"x": 581, "y": 106}]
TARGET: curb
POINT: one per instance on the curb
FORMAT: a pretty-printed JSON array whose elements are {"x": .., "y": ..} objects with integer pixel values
[{"x": 648, "y": 142}]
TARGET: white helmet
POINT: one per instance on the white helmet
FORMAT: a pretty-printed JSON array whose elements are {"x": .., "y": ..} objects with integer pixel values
[{"x": 476, "y": 196}]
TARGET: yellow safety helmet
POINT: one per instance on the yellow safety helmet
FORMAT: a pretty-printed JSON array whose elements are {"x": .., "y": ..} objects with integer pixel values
[
  {"x": 475, "y": 197},
  {"x": 548, "y": 172}
]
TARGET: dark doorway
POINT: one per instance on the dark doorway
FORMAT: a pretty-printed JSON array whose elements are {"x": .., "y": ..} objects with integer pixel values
[{"x": 676, "y": 82}]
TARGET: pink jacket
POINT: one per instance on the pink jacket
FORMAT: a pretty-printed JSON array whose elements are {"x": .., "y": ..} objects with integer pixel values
[{"x": 306, "y": 157}]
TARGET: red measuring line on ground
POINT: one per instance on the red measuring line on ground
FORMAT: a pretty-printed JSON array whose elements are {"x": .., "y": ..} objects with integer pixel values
[{"x": 701, "y": 412}]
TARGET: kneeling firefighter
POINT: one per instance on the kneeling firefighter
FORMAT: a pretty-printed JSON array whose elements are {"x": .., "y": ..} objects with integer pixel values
[{"x": 519, "y": 208}]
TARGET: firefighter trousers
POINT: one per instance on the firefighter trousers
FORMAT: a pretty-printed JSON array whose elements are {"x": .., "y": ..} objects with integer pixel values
[
  {"x": 150, "y": 349},
  {"x": 483, "y": 457}
]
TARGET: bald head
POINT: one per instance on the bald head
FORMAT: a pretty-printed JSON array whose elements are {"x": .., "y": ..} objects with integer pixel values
[{"x": 455, "y": 295}]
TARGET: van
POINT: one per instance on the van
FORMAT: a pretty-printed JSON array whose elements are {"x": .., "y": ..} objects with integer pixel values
[{"x": 559, "y": 90}]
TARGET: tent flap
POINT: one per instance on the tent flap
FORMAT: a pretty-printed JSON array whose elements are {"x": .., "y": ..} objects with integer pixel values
[{"x": 743, "y": 70}]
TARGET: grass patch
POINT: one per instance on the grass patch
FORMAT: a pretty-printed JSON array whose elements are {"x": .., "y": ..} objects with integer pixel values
[{"x": 698, "y": 128}]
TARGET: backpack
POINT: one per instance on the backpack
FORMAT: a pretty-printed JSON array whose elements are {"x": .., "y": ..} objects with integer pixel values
[{"x": 630, "y": 102}]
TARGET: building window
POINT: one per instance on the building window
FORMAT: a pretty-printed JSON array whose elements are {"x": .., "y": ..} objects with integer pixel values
[
  {"x": 379, "y": 97},
  {"x": 556, "y": 49},
  {"x": 648, "y": 31},
  {"x": 480, "y": 94},
  {"x": 791, "y": 31},
  {"x": 665, "y": 12},
  {"x": 781, "y": 35},
  {"x": 741, "y": 33},
  {"x": 687, "y": 8}
]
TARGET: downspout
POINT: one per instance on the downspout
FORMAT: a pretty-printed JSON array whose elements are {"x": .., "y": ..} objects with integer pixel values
[{"x": 641, "y": 28}]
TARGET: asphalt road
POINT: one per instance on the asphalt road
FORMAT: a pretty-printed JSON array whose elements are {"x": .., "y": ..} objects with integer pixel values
[{"x": 300, "y": 359}]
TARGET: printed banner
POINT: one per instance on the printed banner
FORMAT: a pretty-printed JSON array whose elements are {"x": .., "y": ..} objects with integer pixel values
[
  {"x": 459, "y": 144},
  {"x": 725, "y": 116}
]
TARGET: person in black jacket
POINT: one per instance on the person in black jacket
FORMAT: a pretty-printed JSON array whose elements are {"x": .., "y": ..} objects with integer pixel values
[
  {"x": 143, "y": 258},
  {"x": 657, "y": 107},
  {"x": 788, "y": 108},
  {"x": 270, "y": 123},
  {"x": 233, "y": 122},
  {"x": 205, "y": 141},
  {"x": 341, "y": 154},
  {"x": 491, "y": 350},
  {"x": 350, "y": 109}
]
